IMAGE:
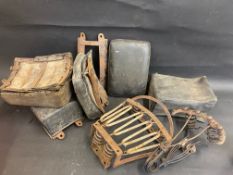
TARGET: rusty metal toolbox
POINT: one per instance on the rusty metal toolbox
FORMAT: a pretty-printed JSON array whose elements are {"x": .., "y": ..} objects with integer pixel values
[
  {"x": 89, "y": 91},
  {"x": 128, "y": 67},
  {"x": 177, "y": 92},
  {"x": 55, "y": 120},
  {"x": 41, "y": 81}
]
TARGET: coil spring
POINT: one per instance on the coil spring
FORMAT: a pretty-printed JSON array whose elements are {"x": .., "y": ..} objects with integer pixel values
[
  {"x": 108, "y": 152},
  {"x": 215, "y": 135},
  {"x": 97, "y": 138},
  {"x": 192, "y": 122}
]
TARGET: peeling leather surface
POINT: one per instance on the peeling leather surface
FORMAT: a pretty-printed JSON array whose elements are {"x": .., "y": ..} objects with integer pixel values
[{"x": 82, "y": 87}]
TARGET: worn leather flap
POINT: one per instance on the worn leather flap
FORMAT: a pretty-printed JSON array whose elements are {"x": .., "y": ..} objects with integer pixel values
[
  {"x": 99, "y": 93},
  {"x": 42, "y": 72},
  {"x": 90, "y": 93}
]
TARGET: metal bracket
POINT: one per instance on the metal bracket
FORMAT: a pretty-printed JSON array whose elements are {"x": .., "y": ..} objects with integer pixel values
[{"x": 102, "y": 43}]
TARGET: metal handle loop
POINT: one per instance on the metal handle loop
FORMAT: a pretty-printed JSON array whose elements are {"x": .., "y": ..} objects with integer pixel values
[{"x": 164, "y": 108}]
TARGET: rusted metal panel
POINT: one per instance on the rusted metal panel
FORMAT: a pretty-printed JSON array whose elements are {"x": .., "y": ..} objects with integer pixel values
[
  {"x": 90, "y": 93},
  {"x": 128, "y": 67},
  {"x": 102, "y": 43},
  {"x": 177, "y": 92},
  {"x": 41, "y": 81},
  {"x": 55, "y": 120}
]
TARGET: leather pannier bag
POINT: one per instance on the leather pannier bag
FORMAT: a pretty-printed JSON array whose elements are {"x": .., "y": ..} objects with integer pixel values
[{"x": 41, "y": 81}]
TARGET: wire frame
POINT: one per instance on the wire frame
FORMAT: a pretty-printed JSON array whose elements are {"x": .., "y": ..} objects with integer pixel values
[{"x": 129, "y": 132}]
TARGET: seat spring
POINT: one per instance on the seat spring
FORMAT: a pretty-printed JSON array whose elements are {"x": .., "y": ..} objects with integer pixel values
[
  {"x": 97, "y": 138},
  {"x": 103, "y": 117},
  {"x": 141, "y": 138},
  {"x": 113, "y": 121},
  {"x": 117, "y": 113},
  {"x": 192, "y": 122},
  {"x": 140, "y": 146},
  {"x": 108, "y": 152},
  {"x": 120, "y": 131},
  {"x": 129, "y": 137}
]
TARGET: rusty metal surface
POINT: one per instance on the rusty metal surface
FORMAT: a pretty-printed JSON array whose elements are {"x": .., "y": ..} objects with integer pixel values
[
  {"x": 180, "y": 148},
  {"x": 21, "y": 134},
  {"x": 37, "y": 81},
  {"x": 102, "y": 43},
  {"x": 129, "y": 132},
  {"x": 99, "y": 93}
]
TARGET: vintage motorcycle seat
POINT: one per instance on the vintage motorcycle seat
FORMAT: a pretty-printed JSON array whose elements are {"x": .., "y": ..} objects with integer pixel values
[
  {"x": 88, "y": 89},
  {"x": 128, "y": 67},
  {"x": 177, "y": 92}
]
